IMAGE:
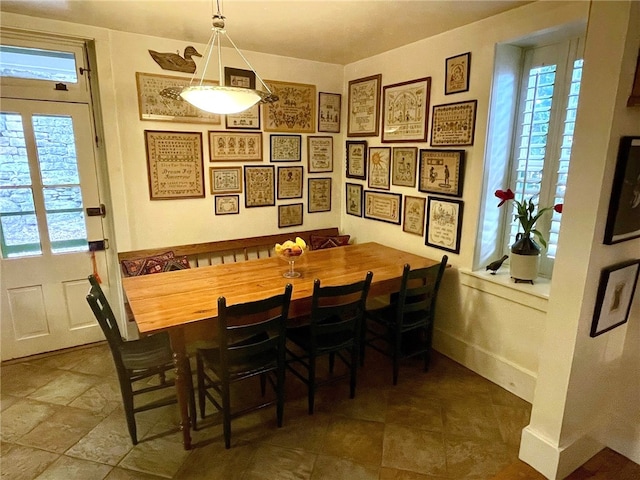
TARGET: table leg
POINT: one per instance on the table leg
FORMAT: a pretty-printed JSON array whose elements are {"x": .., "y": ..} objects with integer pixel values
[{"x": 183, "y": 382}]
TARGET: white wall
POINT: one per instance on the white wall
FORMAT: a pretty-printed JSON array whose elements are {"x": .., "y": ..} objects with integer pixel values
[{"x": 484, "y": 322}]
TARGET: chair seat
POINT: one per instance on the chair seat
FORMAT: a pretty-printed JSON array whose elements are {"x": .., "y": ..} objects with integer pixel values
[
  {"x": 264, "y": 362},
  {"x": 147, "y": 352},
  {"x": 301, "y": 336},
  {"x": 386, "y": 316}
]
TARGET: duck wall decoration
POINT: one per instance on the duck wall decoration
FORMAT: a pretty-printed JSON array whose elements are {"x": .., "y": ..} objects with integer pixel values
[{"x": 175, "y": 62}]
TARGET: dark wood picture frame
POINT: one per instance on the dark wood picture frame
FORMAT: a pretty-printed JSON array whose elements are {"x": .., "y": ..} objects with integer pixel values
[
  {"x": 356, "y": 159},
  {"x": 383, "y": 206},
  {"x": 454, "y": 124},
  {"x": 290, "y": 182},
  {"x": 444, "y": 223},
  {"x": 235, "y": 146},
  {"x": 285, "y": 148},
  {"x": 227, "y": 204},
  {"x": 404, "y": 166},
  {"x": 225, "y": 180},
  {"x": 623, "y": 218},
  {"x": 319, "y": 195},
  {"x": 615, "y": 296},
  {"x": 259, "y": 186},
  {"x": 329, "y": 112},
  {"x": 441, "y": 171},
  {"x": 319, "y": 154},
  {"x": 414, "y": 215},
  {"x": 353, "y": 199},
  {"x": 363, "y": 107},
  {"x": 379, "y": 170},
  {"x": 457, "y": 70},
  {"x": 237, "y": 77},
  {"x": 290, "y": 215},
  {"x": 634, "y": 98},
  {"x": 406, "y": 111}
]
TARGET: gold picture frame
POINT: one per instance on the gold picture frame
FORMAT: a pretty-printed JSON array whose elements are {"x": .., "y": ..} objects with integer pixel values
[
  {"x": 319, "y": 154},
  {"x": 225, "y": 180},
  {"x": 404, "y": 161},
  {"x": 235, "y": 146},
  {"x": 153, "y": 106},
  {"x": 259, "y": 186},
  {"x": 363, "y": 107},
  {"x": 414, "y": 211},
  {"x": 290, "y": 182},
  {"x": 175, "y": 166},
  {"x": 380, "y": 168},
  {"x": 295, "y": 109},
  {"x": 319, "y": 191},
  {"x": 329, "y": 112}
]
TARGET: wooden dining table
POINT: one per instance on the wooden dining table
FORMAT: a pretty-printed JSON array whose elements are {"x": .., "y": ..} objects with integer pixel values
[{"x": 184, "y": 302}]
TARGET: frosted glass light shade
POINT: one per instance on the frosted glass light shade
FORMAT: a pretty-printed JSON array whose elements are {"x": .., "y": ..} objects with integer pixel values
[{"x": 220, "y": 99}]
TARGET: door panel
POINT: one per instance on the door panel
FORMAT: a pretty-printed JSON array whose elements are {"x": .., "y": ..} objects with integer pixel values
[{"x": 45, "y": 264}]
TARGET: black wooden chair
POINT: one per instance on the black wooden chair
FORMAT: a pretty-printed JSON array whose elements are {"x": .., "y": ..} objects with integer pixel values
[
  {"x": 136, "y": 362},
  {"x": 404, "y": 328},
  {"x": 251, "y": 342},
  {"x": 333, "y": 330}
]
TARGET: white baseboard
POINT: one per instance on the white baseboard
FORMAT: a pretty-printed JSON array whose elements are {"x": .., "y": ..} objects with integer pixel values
[{"x": 499, "y": 370}]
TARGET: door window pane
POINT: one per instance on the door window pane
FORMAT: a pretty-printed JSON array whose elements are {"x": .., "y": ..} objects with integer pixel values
[
  {"x": 56, "y": 149},
  {"x": 37, "y": 64},
  {"x": 14, "y": 163},
  {"x": 65, "y": 219}
]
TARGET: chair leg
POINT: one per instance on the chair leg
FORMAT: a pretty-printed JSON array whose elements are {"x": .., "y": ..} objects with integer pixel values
[
  {"x": 312, "y": 383},
  {"x": 200, "y": 374},
  {"x": 354, "y": 371},
  {"x": 332, "y": 361},
  {"x": 363, "y": 340},
  {"x": 226, "y": 414},
  {"x": 127, "y": 400},
  {"x": 192, "y": 400}
]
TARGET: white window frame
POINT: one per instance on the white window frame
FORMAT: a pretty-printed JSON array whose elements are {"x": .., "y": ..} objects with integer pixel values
[{"x": 503, "y": 133}]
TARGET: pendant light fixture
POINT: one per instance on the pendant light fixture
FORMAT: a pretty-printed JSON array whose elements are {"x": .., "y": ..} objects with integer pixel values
[{"x": 220, "y": 98}]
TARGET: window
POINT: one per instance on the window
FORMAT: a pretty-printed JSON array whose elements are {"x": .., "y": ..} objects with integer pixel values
[
  {"x": 37, "y": 64},
  {"x": 535, "y": 99}
]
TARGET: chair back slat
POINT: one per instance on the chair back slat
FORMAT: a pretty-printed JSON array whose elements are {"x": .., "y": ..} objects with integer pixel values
[
  {"x": 418, "y": 293},
  {"x": 103, "y": 313},
  {"x": 241, "y": 341},
  {"x": 337, "y": 313}
]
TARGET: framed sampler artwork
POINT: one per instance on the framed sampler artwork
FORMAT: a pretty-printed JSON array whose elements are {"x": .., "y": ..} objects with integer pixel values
[
  {"x": 286, "y": 148},
  {"x": 175, "y": 166},
  {"x": 354, "y": 199},
  {"x": 444, "y": 224},
  {"x": 457, "y": 70},
  {"x": 623, "y": 218},
  {"x": 441, "y": 172},
  {"x": 247, "y": 120},
  {"x": 319, "y": 190},
  {"x": 329, "y": 112},
  {"x": 380, "y": 167},
  {"x": 235, "y": 146},
  {"x": 413, "y": 221},
  {"x": 406, "y": 111},
  {"x": 404, "y": 166},
  {"x": 153, "y": 106},
  {"x": 383, "y": 206},
  {"x": 225, "y": 180},
  {"x": 289, "y": 182},
  {"x": 357, "y": 159},
  {"x": 259, "y": 186},
  {"x": 363, "y": 107},
  {"x": 453, "y": 124},
  {"x": 227, "y": 204},
  {"x": 237, "y": 77},
  {"x": 615, "y": 295},
  {"x": 319, "y": 154},
  {"x": 290, "y": 215},
  {"x": 295, "y": 109}
]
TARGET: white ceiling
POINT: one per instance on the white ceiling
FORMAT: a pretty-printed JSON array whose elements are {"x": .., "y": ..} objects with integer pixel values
[{"x": 337, "y": 31}]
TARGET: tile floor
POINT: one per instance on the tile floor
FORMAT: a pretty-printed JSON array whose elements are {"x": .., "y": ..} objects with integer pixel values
[{"x": 62, "y": 419}]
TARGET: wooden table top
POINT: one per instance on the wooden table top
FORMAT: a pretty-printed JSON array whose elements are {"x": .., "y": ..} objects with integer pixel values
[{"x": 171, "y": 299}]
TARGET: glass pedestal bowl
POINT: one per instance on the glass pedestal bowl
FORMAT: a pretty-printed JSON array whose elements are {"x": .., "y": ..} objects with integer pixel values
[{"x": 291, "y": 257}]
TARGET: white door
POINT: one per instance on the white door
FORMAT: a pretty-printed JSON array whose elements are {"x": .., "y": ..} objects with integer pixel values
[{"x": 47, "y": 181}]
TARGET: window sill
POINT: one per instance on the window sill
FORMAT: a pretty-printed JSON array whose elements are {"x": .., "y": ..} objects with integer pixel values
[{"x": 535, "y": 296}]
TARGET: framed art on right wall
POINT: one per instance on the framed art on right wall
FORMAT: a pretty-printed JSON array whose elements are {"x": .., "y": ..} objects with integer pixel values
[{"x": 623, "y": 219}]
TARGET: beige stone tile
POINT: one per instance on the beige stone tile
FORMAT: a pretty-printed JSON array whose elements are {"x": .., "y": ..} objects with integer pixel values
[
  {"x": 63, "y": 429},
  {"x": 300, "y": 430},
  {"x": 357, "y": 440},
  {"x": 6, "y": 401},
  {"x": 67, "y": 467},
  {"x": 21, "y": 379},
  {"x": 387, "y": 473},
  {"x": 475, "y": 459},
  {"x": 270, "y": 462},
  {"x": 65, "y": 388},
  {"x": 118, "y": 473},
  {"x": 108, "y": 442},
  {"x": 158, "y": 454},
  {"x": 511, "y": 421},
  {"x": 22, "y": 417},
  {"x": 213, "y": 461},
  {"x": 500, "y": 396},
  {"x": 102, "y": 398},
  {"x": 331, "y": 468},
  {"x": 413, "y": 449},
  {"x": 368, "y": 404},
  {"x": 471, "y": 418},
  {"x": 417, "y": 411},
  {"x": 25, "y": 463}
]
